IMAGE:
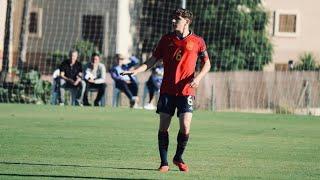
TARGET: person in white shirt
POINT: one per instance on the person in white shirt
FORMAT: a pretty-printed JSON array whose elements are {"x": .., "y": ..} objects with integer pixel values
[{"x": 95, "y": 78}]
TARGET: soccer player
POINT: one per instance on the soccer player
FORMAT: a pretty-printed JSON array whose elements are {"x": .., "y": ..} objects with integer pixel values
[{"x": 179, "y": 51}]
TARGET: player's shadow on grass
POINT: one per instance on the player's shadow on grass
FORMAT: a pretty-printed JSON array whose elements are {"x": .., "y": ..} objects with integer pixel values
[
  {"x": 75, "y": 165},
  {"x": 66, "y": 176},
  {"x": 59, "y": 176}
]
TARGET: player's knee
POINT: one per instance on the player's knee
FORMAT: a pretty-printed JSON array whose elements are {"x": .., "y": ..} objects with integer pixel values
[
  {"x": 161, "y": 129},
  {"x": 185, "y": 130}
]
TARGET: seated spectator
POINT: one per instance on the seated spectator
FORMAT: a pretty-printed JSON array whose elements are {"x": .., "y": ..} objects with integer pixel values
[
  {"x": 95, "y": 78},
  {"x": 153, "y": 84},
  {"x": 127, "y": 84},
  {"x": 71, "y": 78}
]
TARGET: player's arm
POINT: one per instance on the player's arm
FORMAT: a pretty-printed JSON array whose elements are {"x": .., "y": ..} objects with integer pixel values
[
  {"x": 157, "y": 54},
  {"x": 204, "y": 70},
  {"x": 145, "y": 66}
]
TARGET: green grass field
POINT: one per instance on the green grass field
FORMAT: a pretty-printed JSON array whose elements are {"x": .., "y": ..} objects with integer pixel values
[{"x": 49, "y": 142}]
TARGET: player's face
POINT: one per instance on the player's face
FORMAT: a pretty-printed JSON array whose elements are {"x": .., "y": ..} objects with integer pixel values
[{"x": 179, "y": 23}]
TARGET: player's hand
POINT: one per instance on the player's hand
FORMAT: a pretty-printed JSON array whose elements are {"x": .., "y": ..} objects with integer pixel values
[{"x": 194, "y": 83}]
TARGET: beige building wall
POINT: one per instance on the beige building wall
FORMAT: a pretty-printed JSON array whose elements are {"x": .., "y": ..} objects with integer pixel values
[
  {"x": 308, "y": 37},
  {"x": 17, "y": 9},
  {"x": 3, "y": 12}
]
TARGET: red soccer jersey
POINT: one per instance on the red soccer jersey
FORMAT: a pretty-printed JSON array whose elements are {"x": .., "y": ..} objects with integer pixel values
[{"x": 179, "y": 61}]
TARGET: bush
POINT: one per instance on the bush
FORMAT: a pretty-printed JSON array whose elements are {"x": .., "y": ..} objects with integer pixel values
[
  {"x": 85, "y": 49},
  {"x": 283, "y": 109},
  {"x": 38, "y": 89},
  {"x": 307, "y": 62},
  {"x": 30, "y": 89},
  {"x": 238, "y": 38},
  {"x": 4, "y": 95},
  {"x": 57, "y": 57}
]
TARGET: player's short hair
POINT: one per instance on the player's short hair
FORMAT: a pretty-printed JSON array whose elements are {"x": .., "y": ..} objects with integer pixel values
[{"x": 185, "y": 13}]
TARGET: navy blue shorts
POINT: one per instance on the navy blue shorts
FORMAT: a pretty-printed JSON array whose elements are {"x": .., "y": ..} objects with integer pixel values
[{"x": 168, "y": 104}]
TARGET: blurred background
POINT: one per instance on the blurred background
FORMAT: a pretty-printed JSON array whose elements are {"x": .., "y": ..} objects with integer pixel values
[{"x": 264, "y": 53}]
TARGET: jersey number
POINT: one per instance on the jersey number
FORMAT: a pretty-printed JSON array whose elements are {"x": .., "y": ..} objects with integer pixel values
[
  {"x": 179, "y": 55},
  {"x": 190, "y": 100}
]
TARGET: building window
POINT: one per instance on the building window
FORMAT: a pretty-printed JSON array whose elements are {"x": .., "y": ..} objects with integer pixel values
[
  {"x": 35, "y": 22},
  {"x": 92, "y": 30},
  {"x": 287, "y": 23}
]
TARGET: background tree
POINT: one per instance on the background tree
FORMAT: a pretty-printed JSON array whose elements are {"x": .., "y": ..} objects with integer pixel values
[
  {"x": 85, "y": 49},
  {"x": 234, "y": 30},
  {"x": 154, "y": 21},
  {"x": 235, "y": 33}
]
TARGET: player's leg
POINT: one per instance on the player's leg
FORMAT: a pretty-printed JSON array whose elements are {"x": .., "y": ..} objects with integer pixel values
[
  {"x": 182, "y": 140},
  {"x": 185, "y": 116},
  {"x": 165, "y": 108},
  {"x": 163, "y": 139},
  {"x": 183, "y": 134}
]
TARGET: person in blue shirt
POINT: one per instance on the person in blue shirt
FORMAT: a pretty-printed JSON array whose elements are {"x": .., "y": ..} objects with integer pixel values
[{"x": 127, "y": 84}]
